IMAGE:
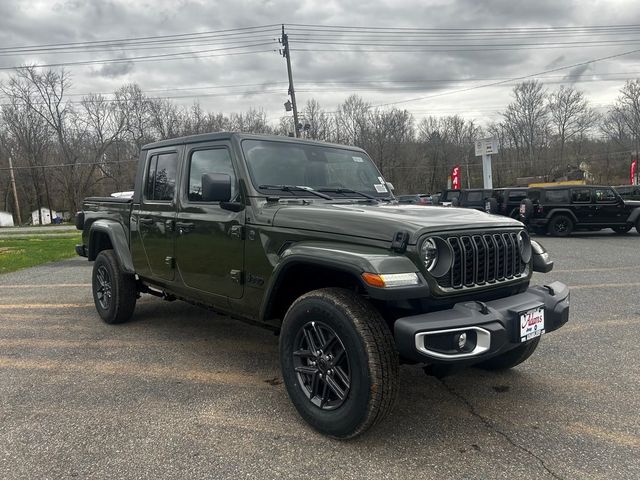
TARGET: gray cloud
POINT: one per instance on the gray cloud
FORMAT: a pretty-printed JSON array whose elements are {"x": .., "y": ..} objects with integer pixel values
[{"x": 317, "y": 73}]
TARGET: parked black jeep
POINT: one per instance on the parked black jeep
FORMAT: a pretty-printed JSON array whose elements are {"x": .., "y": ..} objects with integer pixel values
[
  {"x": 475, "y": 198},
  {"x": 506, "y": 201},
  {"x": 561, "y": 210}
]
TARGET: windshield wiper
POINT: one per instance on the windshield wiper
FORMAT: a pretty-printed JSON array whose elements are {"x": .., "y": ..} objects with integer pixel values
[
  {"x": 295, "y": 188},
  {"x": 348, "y": 190}
]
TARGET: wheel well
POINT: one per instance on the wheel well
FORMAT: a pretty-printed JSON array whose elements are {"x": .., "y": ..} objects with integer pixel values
[
  {"x": 99, "y": 241},
  {"x": 302, "y": 278},
  {"x": 565, "y": 213}
]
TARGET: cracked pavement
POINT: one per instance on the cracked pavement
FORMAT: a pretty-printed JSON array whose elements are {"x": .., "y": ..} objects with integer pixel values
[{"x": 183, "y": 393}]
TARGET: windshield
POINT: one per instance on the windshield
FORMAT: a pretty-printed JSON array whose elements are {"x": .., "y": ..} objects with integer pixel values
[{"x": 333, "y": 170}]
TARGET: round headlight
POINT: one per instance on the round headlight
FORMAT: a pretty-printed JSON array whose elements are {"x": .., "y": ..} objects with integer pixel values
[
  {"x": 429, "y": 252},
  {"x": 524, "y": 246}
]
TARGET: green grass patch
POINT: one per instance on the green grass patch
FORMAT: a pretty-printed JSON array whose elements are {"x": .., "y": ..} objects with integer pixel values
[{"x": 24, "y": 252}]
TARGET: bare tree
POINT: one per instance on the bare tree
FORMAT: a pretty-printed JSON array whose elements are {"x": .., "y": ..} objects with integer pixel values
[
  {"x": 352, "y": 121},
  {"x": 628, "y": 106},
  {"x": 571, "y": 116},
  {"x": 526, "y": 119}
]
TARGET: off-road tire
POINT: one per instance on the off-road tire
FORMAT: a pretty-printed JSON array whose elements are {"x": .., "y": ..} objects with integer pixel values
[
  {"x": 638, "y": 225},
  {"x": 555, "y": 226},
  {"x": 622, "y": 230},
  {"x": 369, "y": 348},
  {"x": 511, "y": 358},
  {"x": 119, "y": 305}
]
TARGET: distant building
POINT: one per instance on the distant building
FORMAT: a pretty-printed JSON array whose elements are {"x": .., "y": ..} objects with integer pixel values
[
  {"x": 46, "y": 216},
  {"x": 6, "y": 219}
]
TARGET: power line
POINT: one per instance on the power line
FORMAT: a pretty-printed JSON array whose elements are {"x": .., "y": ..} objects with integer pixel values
[
  {"x": 152, "y": 58},
  {"x": 59, "y": 165},
  {"x": 523, "y": 77},
  {"x": 133, "y": 39}
]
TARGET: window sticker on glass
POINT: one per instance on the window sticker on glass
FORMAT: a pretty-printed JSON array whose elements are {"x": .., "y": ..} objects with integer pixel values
[
  {"x": 357, "y": 159},
  {"x": 380, "y": 188}
]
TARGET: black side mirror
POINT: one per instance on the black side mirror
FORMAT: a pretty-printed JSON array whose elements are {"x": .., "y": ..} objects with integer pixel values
[{"x": 216, "y": 187}]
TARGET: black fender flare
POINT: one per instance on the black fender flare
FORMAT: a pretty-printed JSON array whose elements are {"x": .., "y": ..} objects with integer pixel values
[
  {"x": 118, "y": 238},
  {"x": 354, "y": 261},
  {"x": 633, "y": 216},
  {"x": 564, "y": 211}
]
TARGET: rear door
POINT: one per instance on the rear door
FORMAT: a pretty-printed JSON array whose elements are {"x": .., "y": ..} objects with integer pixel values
[
  {"x": 210, "y": 240},
  {"x": 152, "y": 222}
]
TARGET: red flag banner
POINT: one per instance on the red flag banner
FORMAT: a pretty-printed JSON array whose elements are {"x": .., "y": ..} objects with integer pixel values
[
  {"x": 455, "y": 177},
  {"x": 634, "y": 166}
]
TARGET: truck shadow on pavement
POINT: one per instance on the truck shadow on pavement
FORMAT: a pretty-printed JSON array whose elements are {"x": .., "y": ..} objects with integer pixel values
[{"x": 462, "y": 410}]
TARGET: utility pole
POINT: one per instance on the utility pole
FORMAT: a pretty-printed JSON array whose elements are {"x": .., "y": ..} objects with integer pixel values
[
  {"x": 15, "y": 192},
  {"x": 292, "y": 92}
]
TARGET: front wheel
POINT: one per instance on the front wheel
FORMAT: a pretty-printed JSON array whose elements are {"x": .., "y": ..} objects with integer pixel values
[
  {"x": 560, "y": 226},
  {"x": 621, "y": 230},
  {"x": 114, "y": 291},
  {"x": 511, "y": 358},
  {"x": 339, "y": 362}
]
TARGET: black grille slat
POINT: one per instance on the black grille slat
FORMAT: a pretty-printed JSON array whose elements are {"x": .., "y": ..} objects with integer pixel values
[{"x": 482, "y": 259}]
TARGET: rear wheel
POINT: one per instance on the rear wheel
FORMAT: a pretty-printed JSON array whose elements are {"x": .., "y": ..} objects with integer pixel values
[
  {"x": 339, "y": 362},
  {"x": 114, "y": 292},
  {"x": 511, "y": 358},
  {"x": 560, "y": 226},
  {"x": 621, "y": 230}
]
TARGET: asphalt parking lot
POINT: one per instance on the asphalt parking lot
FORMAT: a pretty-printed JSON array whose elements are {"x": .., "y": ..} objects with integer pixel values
[{"x": 182, "y": 393}]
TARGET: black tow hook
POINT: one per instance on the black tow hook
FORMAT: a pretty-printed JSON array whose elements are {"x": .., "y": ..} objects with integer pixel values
[
  {"x": 484, "y": 310},
  {"x": 550, "y": 289}
]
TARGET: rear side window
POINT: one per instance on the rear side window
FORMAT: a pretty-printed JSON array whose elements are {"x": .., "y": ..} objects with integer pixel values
[
  {"x": 474, "y": 196},
  {"x": 517, "y": 196},
  {"x": 556, "y": 196},
  {"x": 161, "y": 177},
  {"x": 605, "y": 195},
  {"x": 215, "y": 160},
  {"x": 581, "y": 195}
]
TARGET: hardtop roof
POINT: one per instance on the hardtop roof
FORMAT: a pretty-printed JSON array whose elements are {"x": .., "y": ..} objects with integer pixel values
[{"x": 210, "y": 137}]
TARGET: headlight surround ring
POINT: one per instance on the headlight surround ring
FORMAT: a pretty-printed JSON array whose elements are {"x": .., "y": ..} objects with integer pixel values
[
  {"x": 524, "y": 246},
  {"x": 436, "y": 256}
]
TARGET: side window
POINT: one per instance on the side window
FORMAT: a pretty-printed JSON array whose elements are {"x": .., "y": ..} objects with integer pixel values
[
  {"x": 215, "y": 160},
  {"x": 605, "y": 195},
  {"x": 474, "y": 196},
  {"x": 161, "y": 177},
  {"x": 556, "y": 196},
  {"x": 517, "y": 196},
  {"x": 581, "y": 195}
]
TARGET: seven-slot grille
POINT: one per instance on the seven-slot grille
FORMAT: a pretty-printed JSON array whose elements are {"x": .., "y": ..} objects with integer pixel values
[{"x": 483, "y": 258}]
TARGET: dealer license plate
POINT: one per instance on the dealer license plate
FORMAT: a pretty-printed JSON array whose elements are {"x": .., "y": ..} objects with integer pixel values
[{"x": 531, "y": 323}]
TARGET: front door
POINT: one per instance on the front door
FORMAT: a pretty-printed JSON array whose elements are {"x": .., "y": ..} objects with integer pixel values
[
  {"x": 582, "y": 205},
  {"x": 152, "y": 222},
  {"x": 209, "y": 240},
  {"x": 609, "y": 209}
]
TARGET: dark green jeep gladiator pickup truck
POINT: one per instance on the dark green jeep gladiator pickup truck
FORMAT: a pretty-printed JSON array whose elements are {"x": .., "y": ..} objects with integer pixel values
[{"x": 307, "y": 238}]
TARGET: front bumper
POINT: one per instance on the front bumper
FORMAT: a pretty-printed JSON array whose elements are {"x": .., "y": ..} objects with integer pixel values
[{"x": 494, "y": 326}]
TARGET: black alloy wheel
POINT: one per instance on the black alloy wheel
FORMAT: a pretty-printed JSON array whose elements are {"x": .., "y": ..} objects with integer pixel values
[
  {"x": 339, "y": 362},
  {"x": 560, "y": 226},
  {"x": 622, "y": 230},
  {"x": 322, "y": 365},
  {"x": 104, "y": 287},
  {"x": 114, "y": 291}
]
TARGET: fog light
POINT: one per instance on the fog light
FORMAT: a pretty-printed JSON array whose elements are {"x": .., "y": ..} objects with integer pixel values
[{"x": 460, "y": 340}]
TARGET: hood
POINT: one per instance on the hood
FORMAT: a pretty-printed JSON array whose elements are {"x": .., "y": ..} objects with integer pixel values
[
  {"x": 382, "y": 221},
  {"x": 632, "y": 203}
]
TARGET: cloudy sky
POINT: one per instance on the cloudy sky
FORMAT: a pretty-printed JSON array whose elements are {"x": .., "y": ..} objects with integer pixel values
[{"x": 430, "y": 57}]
